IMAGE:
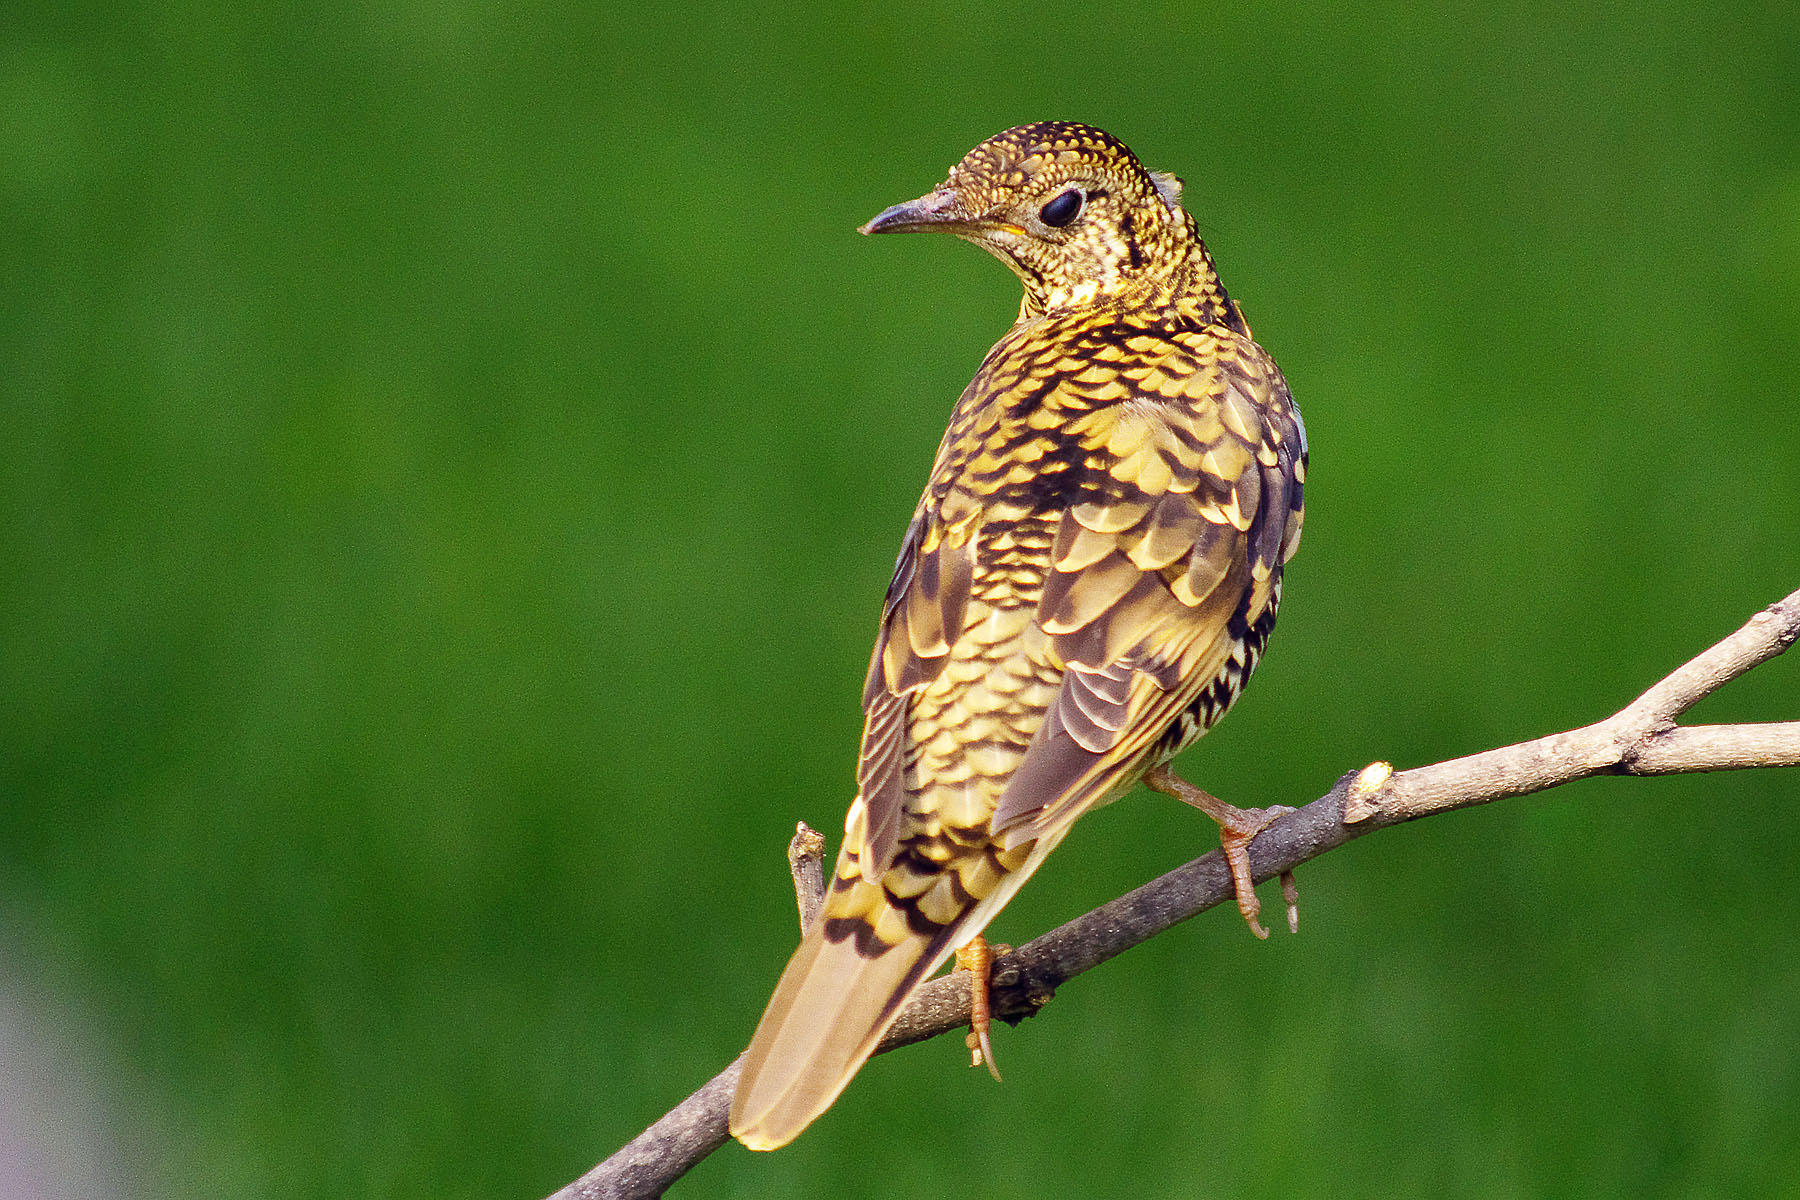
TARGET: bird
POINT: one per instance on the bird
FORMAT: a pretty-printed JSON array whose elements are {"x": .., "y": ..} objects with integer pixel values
[{"x": 1089, "y": 579}]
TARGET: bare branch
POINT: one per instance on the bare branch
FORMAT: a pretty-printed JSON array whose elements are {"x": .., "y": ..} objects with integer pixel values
[
  {"x": 1641, "y": 739},
  {"x": 1615, "y": 746},
  {"x": 667, "y": 1150}
]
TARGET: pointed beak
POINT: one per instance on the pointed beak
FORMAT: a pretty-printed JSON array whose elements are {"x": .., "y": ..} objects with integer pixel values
[{"x": 941, "y": 209}]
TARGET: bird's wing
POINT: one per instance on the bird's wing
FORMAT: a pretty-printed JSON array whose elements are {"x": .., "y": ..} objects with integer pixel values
[
  {"x": 1157, "y": 577},
  {"x": 923, "y": 615}
]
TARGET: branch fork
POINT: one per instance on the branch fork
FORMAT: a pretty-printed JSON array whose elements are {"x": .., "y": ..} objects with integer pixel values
[{"x": 1643, "y": 738}]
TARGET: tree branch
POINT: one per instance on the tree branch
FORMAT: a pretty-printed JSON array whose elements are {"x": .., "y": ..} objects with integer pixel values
[{"x": 1640, "y": 739}]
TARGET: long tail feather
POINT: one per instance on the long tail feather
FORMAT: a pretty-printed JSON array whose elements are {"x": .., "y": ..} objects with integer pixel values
[
  {"x": 837, "y": 998},
  {"x": 828, "y": 1013}
]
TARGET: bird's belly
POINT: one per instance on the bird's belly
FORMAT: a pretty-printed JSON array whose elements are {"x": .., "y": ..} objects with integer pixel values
[{"x": 1249, "y": 637}]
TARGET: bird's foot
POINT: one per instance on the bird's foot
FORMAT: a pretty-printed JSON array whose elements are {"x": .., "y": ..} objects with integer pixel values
[
  {"x": 1238, "y": 827},
  {"x": 1234, "y": 839},
  {"x": 977, "y": 958}
]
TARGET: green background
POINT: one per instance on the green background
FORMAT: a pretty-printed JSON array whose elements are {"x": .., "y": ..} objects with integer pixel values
[{"x": 455, "y": 451}]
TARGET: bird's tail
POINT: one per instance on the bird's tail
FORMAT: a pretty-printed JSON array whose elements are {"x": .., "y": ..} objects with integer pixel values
[
  {"x": 841, "y": 991},
  {"x": 829, "y": 1010}
]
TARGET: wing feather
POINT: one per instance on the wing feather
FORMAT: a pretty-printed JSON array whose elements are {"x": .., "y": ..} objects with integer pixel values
[
  {"x": 923, "y": 617},
  {"x": 1203, "y": 511}
]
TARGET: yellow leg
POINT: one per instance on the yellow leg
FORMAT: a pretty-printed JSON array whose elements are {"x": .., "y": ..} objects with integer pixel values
[
  {"x": 1238, "y": 827},
  {"x": 977, "y": 958}
]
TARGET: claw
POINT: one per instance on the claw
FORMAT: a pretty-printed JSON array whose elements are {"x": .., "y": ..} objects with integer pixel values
[
  {"x": 977, "y": 958},
  {"x": 1237, "y": 860}
]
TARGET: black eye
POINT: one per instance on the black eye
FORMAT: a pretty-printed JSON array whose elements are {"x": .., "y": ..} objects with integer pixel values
[{"x": 1063, "y": 209}]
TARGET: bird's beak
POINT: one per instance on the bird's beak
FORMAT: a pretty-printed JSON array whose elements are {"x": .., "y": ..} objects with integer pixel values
[{"x": 941, "y": 209}]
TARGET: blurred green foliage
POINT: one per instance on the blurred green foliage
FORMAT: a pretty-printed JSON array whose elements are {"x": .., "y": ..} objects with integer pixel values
[{"x": 455, "y": 453}]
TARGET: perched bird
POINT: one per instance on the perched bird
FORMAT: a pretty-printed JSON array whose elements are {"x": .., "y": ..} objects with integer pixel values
[{"x": 1089, "y": 579}]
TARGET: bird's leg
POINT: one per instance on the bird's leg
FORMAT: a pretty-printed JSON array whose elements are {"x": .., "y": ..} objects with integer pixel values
[
  {"x": 977, "y": 958},
  {"x": 1237, "y": 828}
]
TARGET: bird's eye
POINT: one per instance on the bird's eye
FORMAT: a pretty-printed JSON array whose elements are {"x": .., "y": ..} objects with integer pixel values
[{"x": 1065, "y": 207}]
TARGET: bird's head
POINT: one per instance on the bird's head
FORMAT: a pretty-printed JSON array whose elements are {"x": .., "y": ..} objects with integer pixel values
[{"x": 1069, "y": 208}]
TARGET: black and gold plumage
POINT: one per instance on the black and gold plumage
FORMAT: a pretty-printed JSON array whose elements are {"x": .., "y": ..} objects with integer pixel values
[{"x": 1087, "y": 584}]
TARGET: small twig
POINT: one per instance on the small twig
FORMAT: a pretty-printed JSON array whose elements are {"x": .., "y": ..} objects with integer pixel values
[
  {"x": 1640, "y": 739},
  {"x": 806, "y": 862},
  {"x": 1723, "y": 747}
]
